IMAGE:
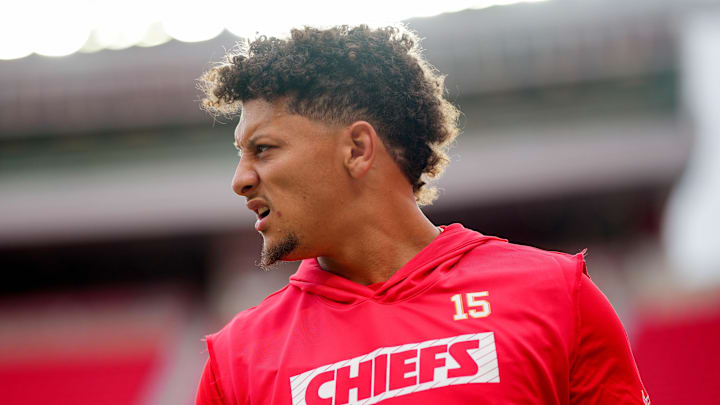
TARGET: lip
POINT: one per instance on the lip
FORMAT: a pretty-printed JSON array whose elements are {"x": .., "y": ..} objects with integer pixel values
[
  {"x": 254, "y": 205},
  {"x": 261, "y": 224}
]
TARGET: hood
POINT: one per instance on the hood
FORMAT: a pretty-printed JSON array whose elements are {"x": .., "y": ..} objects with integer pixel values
[{"x": 435, "y": 260}]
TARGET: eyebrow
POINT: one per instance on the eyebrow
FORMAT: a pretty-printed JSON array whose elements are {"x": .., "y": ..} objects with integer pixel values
[{"x": 250, "y": 142}]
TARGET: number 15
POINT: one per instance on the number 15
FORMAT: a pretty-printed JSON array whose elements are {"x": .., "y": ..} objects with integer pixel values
[{"x": 473, "y": 301}]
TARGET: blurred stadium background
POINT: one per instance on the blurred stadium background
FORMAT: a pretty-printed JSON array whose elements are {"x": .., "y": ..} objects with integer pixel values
[{"x": 588, "y": 124}]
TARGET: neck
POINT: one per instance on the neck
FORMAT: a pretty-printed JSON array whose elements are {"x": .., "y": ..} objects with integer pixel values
[{"x": 375, "y": 249}]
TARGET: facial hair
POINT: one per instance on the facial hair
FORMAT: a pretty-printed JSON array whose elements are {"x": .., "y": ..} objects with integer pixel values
[{"x": 272, "y": 254}]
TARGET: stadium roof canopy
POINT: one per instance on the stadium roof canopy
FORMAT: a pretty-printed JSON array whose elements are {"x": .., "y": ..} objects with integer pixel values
[{"x": 65, "y": 27}]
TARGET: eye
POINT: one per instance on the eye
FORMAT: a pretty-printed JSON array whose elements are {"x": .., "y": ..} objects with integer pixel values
[{"x": 262, "y": 148}]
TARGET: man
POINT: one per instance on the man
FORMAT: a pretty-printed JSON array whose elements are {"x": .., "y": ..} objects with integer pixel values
[{"x": 340, "y": 131}]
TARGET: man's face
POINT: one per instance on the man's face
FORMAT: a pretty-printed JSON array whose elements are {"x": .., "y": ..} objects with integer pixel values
[{"x": 292, "y": 175}]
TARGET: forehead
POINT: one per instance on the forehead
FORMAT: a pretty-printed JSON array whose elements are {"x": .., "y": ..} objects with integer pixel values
[
  {"x": 261, "y": 118},
  {"x": 256, "y": 114}
]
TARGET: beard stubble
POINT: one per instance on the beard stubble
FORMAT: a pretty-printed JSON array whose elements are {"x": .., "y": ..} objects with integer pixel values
[{"x": 272, "y": 254}]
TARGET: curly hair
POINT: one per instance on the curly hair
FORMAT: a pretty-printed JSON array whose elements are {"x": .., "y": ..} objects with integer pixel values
[{"x": 344, "y": 74}]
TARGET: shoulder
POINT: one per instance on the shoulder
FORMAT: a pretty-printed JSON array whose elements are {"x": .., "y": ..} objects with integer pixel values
[
  {"x": 500, "y": 257},
  {"x": 245, "y": 322},
  {"x": 248, "y": 329},
  {"x": 229, "y": 348},
  {"x": 511, "y": 253}
]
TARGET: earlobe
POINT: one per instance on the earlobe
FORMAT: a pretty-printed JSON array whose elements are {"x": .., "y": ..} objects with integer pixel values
[{"x": 362, "y": 143}]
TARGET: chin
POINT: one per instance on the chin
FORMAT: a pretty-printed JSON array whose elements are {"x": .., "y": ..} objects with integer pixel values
[{"x": 281, "y": 249}]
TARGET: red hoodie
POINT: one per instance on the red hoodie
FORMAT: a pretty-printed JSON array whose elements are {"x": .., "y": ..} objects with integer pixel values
[{"x": 470, "y": 319}]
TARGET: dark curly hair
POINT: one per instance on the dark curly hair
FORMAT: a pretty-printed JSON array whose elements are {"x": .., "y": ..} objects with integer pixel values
[{"x": 344, "y": 74}]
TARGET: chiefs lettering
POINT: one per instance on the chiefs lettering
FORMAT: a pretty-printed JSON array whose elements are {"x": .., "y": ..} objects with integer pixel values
[{"x": 399, "y": 370}]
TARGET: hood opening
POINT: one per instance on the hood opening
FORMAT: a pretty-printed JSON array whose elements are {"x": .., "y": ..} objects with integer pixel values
[{"x": 435, "y": 260}]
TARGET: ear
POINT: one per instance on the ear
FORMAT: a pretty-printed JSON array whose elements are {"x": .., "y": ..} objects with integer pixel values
[{"x": 361, "y": 143}]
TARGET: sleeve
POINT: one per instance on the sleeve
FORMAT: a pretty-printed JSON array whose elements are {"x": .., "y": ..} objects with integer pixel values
[
  {"x": 603, "y": 369},
  {"x": 209, "y": 392}
]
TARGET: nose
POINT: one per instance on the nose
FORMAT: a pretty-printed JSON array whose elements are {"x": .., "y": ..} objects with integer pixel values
[{"x": 245, "y": 180}]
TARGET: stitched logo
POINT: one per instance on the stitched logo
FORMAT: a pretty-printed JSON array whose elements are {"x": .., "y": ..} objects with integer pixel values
[{"x": 390, "y": 372}]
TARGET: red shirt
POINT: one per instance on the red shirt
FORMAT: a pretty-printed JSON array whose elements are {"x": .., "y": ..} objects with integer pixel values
[{"x": 470, "y": 319}]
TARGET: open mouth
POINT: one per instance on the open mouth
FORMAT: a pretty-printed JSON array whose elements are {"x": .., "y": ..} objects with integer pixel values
[{"x": 262, "y": 214}]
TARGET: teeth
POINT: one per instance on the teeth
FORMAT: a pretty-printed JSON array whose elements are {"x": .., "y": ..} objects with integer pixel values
[{"x": 263, "y": 210}]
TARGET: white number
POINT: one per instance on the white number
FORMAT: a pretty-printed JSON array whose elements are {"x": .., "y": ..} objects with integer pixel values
[
  {"x": 459, "y": 312},
  {"x": 473, "y": 301}
]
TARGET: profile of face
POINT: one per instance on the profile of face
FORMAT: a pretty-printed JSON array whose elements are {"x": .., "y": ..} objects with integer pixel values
[{"x": 291, "y": 172}]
